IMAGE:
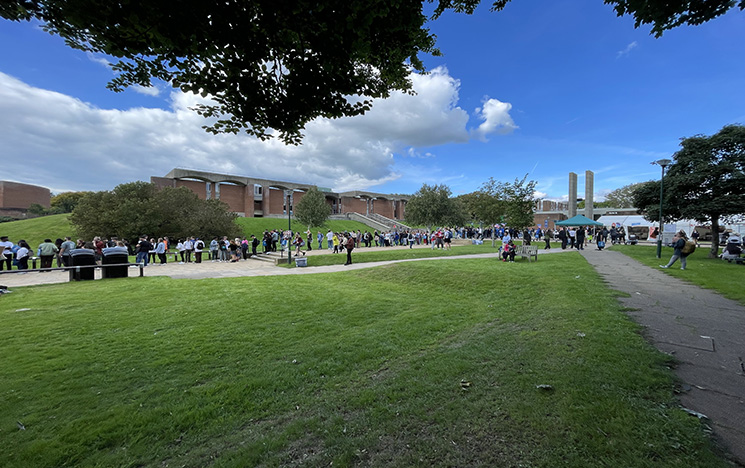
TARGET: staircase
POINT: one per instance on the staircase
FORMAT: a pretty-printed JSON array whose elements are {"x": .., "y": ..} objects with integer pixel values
[{"x": 389, "y": 223}]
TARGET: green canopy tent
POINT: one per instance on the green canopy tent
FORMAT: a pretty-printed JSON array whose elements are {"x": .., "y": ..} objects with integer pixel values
[{"x": 578, "y": 220}]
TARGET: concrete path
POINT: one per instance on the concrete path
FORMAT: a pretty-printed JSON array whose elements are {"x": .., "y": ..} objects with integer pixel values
[
  {"x": 250, "y": 267},
  {"x": 704, "y": 331}
]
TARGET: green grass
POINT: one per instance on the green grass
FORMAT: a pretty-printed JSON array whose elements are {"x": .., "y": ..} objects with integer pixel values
[
  {"x": 710, "y": 273},
  {"x": 362, "y": 255},
  {"x": 361, "y": 368},
  {"x": 35, "y": 230}
]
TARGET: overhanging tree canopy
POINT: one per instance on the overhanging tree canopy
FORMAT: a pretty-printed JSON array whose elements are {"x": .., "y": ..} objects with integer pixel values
[
  {"x": 266, "y": 64},
  {"x": 280, "y": 64}
]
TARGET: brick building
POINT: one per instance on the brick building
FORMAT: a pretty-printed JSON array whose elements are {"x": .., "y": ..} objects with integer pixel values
[
  {"x": 253, "y": 197},
  {"x": 16, "y": 198}
]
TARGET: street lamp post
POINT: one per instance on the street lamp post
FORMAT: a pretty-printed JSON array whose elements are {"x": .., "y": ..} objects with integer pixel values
[
  {"x": 662, "y": 163},
  {"x": 288, "y": 194}
]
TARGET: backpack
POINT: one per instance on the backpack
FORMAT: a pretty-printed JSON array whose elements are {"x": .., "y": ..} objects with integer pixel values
[{"x": 688, "y": 248}]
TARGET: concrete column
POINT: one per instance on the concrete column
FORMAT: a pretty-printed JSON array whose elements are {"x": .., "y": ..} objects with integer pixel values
[
  {"x": 265, "y": 207},
  {"x": 572, "y": 194},
  {"x": 589, "y": 189},
  {"x": 248, "y": 201}
]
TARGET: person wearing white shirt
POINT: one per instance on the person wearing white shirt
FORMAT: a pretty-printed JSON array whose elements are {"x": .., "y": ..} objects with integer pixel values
[
  {"x": 188, "y": 249},
  {"x": 8, "y": 254}
]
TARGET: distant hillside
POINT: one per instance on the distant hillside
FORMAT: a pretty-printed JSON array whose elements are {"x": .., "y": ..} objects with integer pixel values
[{"x": 35, "y": 230}]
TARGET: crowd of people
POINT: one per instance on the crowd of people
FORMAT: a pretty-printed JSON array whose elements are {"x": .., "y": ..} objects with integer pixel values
[{"x": 156, "y": 250}]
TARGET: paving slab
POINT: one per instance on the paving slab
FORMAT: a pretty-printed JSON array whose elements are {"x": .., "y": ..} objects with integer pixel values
[{"x": 703, "y": 330}]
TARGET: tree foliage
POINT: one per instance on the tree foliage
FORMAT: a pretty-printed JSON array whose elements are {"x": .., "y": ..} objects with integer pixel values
[
  {"x": 65, "y": 202},
  {"x": 278, "y": 65},
  {"x": 622, "y": 197},
  {"x": 432, "y": 206},
  {"x": 511, "y": 203},
  {"x": 266, "y": 65},
  {"x": 488, "y": 204},
  {"x": 312, "y": 210},
  {"x": 663, "y": 15},
  {"x": 520, "y": 202},
  {"x": 706, "y": 181},
  {"x": 138, "y": 208}
]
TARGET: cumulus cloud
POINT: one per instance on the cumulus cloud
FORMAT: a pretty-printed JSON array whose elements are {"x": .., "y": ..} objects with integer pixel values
[
  {"x": 496, "y": 119},
  {"x": 64, "y": 143}
]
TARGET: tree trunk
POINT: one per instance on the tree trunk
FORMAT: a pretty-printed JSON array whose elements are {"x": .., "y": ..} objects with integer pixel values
[{"x": 714, "y": 252}]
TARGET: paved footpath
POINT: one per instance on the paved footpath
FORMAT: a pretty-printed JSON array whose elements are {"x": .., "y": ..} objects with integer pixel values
[
  {"x": 250, "y": 267},
  {"x": 704, "y": 331}
]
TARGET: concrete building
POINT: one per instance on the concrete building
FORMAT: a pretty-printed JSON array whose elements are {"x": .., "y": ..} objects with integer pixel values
[
  {"x": 16, "y": 198},
  {"x": 547, "y": 212},
  {"x": 254, "y": 197}
]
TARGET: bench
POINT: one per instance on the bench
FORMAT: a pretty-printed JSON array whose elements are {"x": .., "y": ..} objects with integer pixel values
[{"x": 527, "y": 251}]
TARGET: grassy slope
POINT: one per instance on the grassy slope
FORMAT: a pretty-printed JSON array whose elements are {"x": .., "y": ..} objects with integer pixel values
[
  {"x": 356, "y": 368},
  {"x": 35, "y": 230},
  {"x": 711, "y": 273}
]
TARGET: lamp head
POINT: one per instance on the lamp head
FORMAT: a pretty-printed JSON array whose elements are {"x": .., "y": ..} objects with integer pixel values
[{"x": 663, "y": 162}]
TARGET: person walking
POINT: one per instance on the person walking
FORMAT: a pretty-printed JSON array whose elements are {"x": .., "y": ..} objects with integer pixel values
[
  {"x": 679, "y": 242},
  {"x": 350, "y": 246},
  {"x": 547, "y": 238}
]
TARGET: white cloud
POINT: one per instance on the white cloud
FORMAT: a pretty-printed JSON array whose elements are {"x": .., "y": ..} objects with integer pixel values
[
  {"x": 146, "y": 90},
  {"x": 413, "y": 153},
  {"x": 496, "y": 117},
  {"x": 63, "y": 143},
  {"x": 99, "y": 59},
  {"x": 627, "y": 50}
]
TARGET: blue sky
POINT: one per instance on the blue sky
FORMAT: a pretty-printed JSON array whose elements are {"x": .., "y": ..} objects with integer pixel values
[{"x": 541, "y": 88}]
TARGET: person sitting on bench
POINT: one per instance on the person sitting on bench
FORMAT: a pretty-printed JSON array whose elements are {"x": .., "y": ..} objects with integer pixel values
[{"x": 509, "y": 251}]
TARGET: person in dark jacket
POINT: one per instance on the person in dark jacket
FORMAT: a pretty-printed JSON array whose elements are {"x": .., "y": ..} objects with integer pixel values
[
  {"x": 581, "y": 238},
  {"x": 679, "y": 241}
]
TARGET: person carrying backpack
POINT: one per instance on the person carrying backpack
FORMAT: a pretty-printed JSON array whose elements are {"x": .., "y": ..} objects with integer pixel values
[{"x": 683, "y": 248}]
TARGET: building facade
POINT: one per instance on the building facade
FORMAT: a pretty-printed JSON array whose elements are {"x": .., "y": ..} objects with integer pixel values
[
  {"x": 254, "y": 197},
  {"x": 16, "y": 198}
]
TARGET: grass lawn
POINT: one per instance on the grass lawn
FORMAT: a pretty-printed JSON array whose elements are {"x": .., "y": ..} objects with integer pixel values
[
  {"x": 711, "y": 273},
  {"x": 35, "y": 230},
  {"x": 362, "y": 255},
  {"x": 417, "y": 364}
]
